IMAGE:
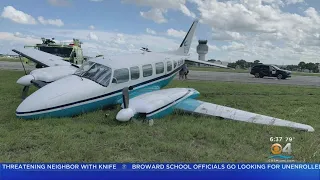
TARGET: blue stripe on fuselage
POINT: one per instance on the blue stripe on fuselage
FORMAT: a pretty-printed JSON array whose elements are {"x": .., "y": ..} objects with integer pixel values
[{"x": 106, "y": 101}]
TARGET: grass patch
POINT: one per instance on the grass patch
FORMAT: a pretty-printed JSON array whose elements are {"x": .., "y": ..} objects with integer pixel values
[
  {"x": 93, "y": 137},
  {"x": 305, "y": 74}
]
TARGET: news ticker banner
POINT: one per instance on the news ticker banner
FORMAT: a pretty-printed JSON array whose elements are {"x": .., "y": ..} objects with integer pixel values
[
  {"x": 168, "y": 170},
  {"x": 157, "y": 166}
]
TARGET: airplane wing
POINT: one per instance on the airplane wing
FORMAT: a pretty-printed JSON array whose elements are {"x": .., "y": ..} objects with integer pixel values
[
  {"x": 55, "y": 67},
  {"x": 139, "y": 92},
  {"x": 204, "y": 108},
  {"x": 159, "y": 103},
  {"x": 42, "y": 58},
  {"x": 206, "y": 63}
]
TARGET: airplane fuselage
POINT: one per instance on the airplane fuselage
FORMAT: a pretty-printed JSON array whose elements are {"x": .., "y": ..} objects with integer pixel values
[{"x": 80, "y": 93}]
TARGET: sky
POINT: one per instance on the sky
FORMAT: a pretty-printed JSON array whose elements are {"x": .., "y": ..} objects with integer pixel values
[{"x": 272, "y": 31}]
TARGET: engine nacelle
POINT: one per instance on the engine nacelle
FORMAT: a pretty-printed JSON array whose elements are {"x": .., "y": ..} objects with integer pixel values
[{"x": 25, "y": 80}]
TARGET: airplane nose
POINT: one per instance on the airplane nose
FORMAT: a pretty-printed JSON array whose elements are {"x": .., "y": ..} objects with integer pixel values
[
  {"x": 63, "y": 97},
  {"x": 25, "y": 80}
]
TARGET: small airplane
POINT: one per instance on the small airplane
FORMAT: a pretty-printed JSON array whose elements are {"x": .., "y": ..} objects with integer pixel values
[{"x": 135, "y": 81}]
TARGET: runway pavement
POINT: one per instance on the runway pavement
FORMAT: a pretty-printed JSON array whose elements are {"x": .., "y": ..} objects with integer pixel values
[
  {"x": 213, "y": 76},
  {"x": 248, "y": 78},
  {"x": 15, "y": 66}
]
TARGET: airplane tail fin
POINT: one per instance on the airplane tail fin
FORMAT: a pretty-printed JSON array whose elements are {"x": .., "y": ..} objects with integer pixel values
[{"x": 186, "y": 43}]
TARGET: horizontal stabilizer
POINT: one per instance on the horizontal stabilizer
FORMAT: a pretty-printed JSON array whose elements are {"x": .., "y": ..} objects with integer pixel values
[
  {"x": 206, "y": 63},
  {"x": 200, "y": 107},
  {"x": 41, "y": 58}
]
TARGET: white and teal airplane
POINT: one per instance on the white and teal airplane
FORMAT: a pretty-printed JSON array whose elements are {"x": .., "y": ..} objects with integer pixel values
[{"x": 135, "y": 81}]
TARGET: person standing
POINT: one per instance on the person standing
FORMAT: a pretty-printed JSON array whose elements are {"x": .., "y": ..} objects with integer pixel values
[
  {"x": 181, "y": 73},
  {"x": 186, "y": 71}
]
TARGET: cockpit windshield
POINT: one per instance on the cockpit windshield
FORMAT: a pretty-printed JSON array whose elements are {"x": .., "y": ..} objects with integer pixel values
[{"x": 96, "y": 72}]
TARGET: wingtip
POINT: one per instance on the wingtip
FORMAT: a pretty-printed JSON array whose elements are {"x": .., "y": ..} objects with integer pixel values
[
  {"x": 306, "y": 128},
  {"x": 310, "y": 129}
]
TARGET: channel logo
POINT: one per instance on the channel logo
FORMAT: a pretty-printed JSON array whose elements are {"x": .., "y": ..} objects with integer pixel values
[{"x": 281, "y": 153}]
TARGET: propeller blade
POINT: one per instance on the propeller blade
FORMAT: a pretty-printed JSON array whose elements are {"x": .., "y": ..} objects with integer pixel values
[
  {"x": 125, "y": 97},
  {"x": 126, "y": 113},
  {"x": 25, "y": 91},
  {"x": 25, "y": 72}
]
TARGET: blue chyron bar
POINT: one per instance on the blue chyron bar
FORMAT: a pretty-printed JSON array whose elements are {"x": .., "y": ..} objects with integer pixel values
[{"x": 261, "y": 171}]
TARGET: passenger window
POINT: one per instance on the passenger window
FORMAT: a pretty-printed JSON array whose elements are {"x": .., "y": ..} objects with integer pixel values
[
  {"x": 159, "y": 68},
  {"x": 135, "y": 72},
  {"x": 147, "y": 70},
  {"x": 174, "y": 64},
  {"x": 169, "y": 66},
  {"x": 121, "y": 75}
]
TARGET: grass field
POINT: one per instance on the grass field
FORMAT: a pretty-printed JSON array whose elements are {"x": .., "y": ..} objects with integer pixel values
[
  {"x": 93, "y": 137},
  {"x": 294, "y": 73}
]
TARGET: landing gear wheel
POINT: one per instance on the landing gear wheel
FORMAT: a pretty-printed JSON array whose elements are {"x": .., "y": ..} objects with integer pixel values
[{"x": 280, "y": 76}]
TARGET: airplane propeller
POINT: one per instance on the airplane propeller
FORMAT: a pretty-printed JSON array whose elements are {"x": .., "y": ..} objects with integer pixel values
[
  {"x": 126, "y": 113},
  {"x": 25, "y": 72},
  {"x": 22, "y": 80},
  {"x": 125, "y": 97},
  {"x": 25, "y": 91}
]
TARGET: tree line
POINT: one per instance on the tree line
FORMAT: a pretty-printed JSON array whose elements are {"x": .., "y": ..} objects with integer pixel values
[
  {"x": 312, "y": 67},
  {"x": 243, "y": 64}
]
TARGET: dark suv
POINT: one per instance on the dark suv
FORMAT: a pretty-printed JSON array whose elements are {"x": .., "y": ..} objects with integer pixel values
[{"x": 261, "y": 70}]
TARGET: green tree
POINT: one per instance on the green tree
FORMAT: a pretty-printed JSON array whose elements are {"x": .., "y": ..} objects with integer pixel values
[
  {"x": 242, "y": 63},
  {"x": 302, "y": 65},
  {"x": 232, "y": 65},
  {"x": 256, "y": 62},
  {"x": 311, "y": 67}
]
